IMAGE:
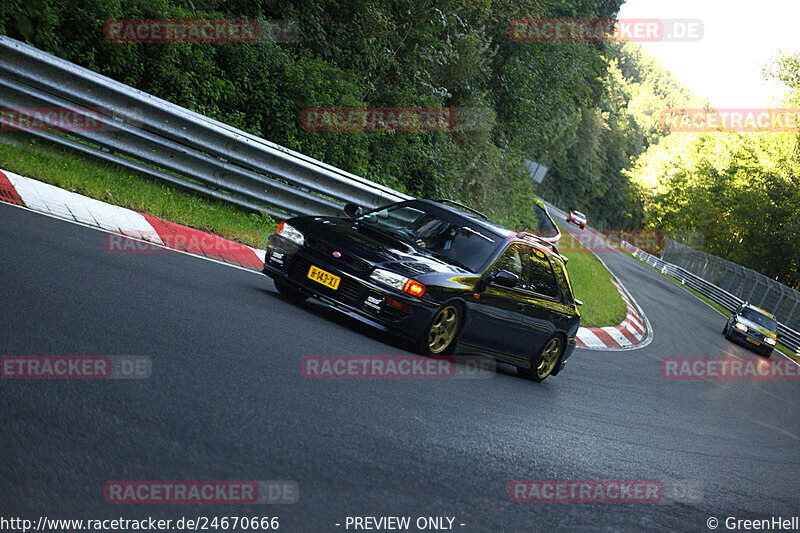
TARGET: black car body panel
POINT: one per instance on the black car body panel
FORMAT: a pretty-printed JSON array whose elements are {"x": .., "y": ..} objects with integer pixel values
[{"x": 507, "y": 323}]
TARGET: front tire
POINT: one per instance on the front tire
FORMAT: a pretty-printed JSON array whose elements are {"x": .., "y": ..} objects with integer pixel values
[
  {"x": 545, "y": 361},
  {"x": 440, "y": 335}
]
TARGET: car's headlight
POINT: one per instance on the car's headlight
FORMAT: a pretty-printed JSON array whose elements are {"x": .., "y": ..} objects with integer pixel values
[
  {"x": 770, "y": 340},
  {"x": 741, "y": 326},
  {"x": 291, "y": 234},
  {"x": 401, "y": 283}
]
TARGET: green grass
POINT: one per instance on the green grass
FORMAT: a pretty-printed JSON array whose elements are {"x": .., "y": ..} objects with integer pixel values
[
  {"x": 591, "y": 282},
  {"x": 724, "y": 312},
  {"x": 119, "y": 186}
]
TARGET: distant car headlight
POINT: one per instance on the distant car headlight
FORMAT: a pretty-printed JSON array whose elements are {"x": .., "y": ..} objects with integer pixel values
[
  {"x": 401, "y": 283},
  {"x": 291, "y": 234},
  {"x": 741, "y": 326},
  {"x": 770, "y": 340}
]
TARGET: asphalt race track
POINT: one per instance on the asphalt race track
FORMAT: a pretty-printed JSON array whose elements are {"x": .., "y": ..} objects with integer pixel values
[{"x": 226, "y": 401}]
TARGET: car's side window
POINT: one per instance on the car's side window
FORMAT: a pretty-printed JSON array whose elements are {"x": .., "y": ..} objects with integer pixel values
[
  {"x": 542, "y": 279},
  {"x": 515, "y": 260},
  {"x": 561, "y": 276},
  {"x": 532, "y": 267}
]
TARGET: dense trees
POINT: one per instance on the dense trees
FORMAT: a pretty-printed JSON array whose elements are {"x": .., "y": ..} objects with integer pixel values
[
  {"x": 530, "y": 99},
  {"x": 612, "y": 132},
  {"x": 588, "y": 111},
  {"x": 736, "y": 193}
]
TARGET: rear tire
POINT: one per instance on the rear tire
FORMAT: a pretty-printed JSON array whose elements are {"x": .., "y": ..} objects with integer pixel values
[
  {"x": 289, "y": 292},
  {"x": 548, "y": 358}
]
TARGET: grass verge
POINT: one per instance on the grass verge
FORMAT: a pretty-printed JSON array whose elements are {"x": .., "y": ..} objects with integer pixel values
[
  {"x": 119, "y": 186},
  {"x": 591, "y": 282},
  {"x": 724, "y": 312}
]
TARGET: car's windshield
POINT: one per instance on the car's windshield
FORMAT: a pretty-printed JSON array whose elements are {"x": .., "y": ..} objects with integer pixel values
[
  {"x": 759, "y": 318},
  {"x": 579, "y": 214},
  {"x": 437, "y": 231}
]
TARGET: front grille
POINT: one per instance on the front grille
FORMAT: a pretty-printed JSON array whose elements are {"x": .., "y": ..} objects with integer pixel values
[
  {"x": 327, "y": 250},
  {"x": 348, "y": 292}
]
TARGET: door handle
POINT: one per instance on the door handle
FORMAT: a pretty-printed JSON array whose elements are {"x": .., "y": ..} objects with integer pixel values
[{"x": 522, "y": 307}]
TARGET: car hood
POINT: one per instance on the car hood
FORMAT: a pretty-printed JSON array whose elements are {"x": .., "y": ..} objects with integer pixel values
[
  {"x": 372, "y": 246},
  {"x": 752, "y": 325}
]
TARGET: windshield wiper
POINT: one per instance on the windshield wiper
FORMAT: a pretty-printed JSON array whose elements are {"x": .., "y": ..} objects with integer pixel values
[
  {"x": 389, "y": 233},
  {"x": 449, "y": 260}
]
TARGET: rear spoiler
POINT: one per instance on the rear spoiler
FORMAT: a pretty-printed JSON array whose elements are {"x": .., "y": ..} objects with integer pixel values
[{"x": 527, "y": 236}]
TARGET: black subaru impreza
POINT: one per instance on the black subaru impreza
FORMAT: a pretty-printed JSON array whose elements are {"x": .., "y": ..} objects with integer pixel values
[{"x": 439, "y": 274}]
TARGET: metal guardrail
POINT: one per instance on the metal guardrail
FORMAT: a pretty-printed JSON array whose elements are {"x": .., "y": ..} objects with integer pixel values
[
  {"x": 752, "y": 286},
  {"x": 171, "y": 143},
  {"x": 786, "y": 336}
]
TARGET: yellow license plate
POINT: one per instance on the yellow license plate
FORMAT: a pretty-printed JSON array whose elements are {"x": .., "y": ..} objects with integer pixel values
[
  {"x": 326, "y": 278},
  {"x": 754, "y": 341}
]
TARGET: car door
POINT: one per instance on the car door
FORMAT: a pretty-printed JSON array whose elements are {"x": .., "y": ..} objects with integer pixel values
[
  {"x": 499, "y": 323},
  {"x": 544, "y": 307}
]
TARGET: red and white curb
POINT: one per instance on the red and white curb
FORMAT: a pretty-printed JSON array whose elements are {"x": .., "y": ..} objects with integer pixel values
[
  {"x": 51, "y": 200},
  {"x": 630, "y": 334}
]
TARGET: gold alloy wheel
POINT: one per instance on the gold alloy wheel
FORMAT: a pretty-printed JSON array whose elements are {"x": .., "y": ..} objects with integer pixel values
[
  {"x": 549, "y": 358},
  {"x": 443, "y": 330}
]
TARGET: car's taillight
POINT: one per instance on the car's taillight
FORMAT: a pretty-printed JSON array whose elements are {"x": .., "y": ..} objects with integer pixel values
[
  {"x": 280, "y": 226},
  {"x": 414, "y": 288}
]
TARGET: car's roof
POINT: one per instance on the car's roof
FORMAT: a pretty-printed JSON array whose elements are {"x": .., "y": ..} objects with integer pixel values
[{"x": 759, "y": 310}]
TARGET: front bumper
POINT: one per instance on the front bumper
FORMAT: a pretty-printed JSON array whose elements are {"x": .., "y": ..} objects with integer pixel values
[
  {"x": 395, "y": 311},
  {"x": 752, "y": 339}
]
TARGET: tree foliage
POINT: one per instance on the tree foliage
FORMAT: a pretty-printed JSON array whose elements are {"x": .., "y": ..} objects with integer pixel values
[
  {"x": 738, "y": 192},
  {"x": 537, "y": 100}
]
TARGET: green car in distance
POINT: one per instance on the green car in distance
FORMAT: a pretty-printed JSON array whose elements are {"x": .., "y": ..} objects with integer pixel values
[{"x": 754, "y": 327}]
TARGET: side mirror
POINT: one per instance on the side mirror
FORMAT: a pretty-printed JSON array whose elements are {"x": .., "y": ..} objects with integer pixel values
[
  {"x": 504, "y": 278},
  {"x": 352, "y": 210},
  {"x": 578, "y": 302}
]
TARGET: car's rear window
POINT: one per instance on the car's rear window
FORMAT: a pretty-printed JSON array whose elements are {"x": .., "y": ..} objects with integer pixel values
[{"x": 546, "y": 227}]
